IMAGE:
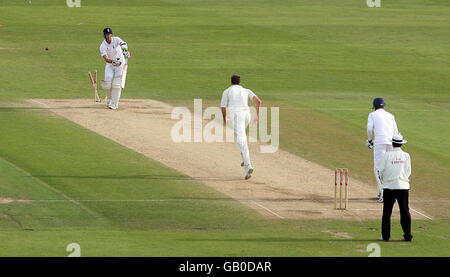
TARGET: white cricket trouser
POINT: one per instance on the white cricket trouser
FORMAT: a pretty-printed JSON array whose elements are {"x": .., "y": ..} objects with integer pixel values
[
  {"x": 378, "y": 153},
  {"x": 112, "y": 72},
  {"x": 240, "y": 119}
]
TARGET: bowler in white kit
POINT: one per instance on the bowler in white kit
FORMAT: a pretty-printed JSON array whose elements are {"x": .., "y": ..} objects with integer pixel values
[
  {"x": 235, "y": 99},
  {"x": 381, "y": 128},
  {"x": 114, "y": 51}
]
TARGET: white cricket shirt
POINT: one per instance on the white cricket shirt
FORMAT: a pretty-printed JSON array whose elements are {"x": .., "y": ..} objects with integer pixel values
[
  {"x": 394, "y": 169},
  {"x": 236, "y": 97},
  {"x": 382, "y": 125},
  {"x": 111, "y": 50}
]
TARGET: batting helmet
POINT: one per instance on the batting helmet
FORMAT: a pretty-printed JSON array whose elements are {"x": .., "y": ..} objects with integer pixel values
[
  {"x": 107, "y": 31},
  {"x": 379, "y": 103}
]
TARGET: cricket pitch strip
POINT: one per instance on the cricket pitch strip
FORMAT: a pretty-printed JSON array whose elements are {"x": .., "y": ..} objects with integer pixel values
[{"x": 282, "y": 186}]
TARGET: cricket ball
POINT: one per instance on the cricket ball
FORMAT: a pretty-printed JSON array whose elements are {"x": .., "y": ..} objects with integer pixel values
[{"x": 46, "y": 48}]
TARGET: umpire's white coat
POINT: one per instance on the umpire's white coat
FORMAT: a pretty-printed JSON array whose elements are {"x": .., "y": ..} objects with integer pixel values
[{"x": 394, "y": 169}]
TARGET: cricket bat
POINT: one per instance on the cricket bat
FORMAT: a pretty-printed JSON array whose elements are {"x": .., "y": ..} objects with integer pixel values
[
  {"x": 124, "y": 74},
  {"x": 125, "y": 66}
]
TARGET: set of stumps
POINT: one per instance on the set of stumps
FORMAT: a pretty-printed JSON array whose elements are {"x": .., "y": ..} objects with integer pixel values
[{"x": 342, "y": 174}]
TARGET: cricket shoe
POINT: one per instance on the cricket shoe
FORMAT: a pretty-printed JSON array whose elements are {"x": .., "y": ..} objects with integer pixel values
[
  {"x": 407, "y": 238},
  {"x": 248, "y": 173},
  {"x": 112, "y": 107}
]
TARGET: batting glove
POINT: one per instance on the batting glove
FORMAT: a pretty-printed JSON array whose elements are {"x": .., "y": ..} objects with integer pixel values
[
  {"x": 124, "y": 46},
  {"x": 116, "y": 62},
  {"x": 369, "y": 144}
]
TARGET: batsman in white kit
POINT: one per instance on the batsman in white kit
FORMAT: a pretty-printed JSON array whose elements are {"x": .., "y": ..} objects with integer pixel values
[
  {"x": 115, "y": 53},
  {"x": 381, "y": 125},
  {"x": 235, "y": 99}
]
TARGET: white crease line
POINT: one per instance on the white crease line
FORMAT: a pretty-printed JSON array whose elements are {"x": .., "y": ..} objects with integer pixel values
[
  {"x": 167, "y": 200},
  {"x": 306, "y": 210},
  {"x": 421, "y": 214},
  {"x": 362, "y": 210},
  {"x": 40, "y": 103},
  {"x": 40, "y": 181},
  {"x": 270, "y": 211},
  {"x": 325, "y": 209}
]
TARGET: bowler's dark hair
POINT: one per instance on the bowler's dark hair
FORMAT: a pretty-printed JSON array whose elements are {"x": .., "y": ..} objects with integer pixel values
[
  {"x": 396, "y": 144},
  {"x": 235, "y": 79}
]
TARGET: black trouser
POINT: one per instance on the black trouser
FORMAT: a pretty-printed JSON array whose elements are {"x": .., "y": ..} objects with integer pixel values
[{"x": 389, "y": 197}]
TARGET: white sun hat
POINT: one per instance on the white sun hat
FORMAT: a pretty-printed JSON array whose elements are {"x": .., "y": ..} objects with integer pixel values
[{"x": 398, "y": 138}]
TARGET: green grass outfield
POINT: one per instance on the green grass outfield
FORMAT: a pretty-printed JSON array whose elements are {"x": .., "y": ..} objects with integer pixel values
[{"x": 321, "y": 62}]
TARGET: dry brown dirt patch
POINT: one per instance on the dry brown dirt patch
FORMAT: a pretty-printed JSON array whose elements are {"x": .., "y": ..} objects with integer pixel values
[{"x": 283, "y": 185}]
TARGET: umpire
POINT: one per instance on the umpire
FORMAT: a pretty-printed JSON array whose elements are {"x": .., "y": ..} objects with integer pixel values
[{"x": 394, "y": 170}]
